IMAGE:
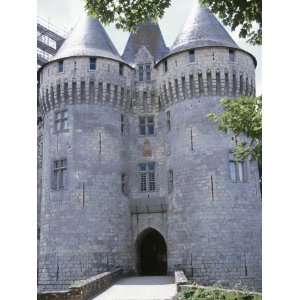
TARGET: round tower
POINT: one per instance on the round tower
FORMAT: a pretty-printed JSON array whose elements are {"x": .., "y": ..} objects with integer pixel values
[
  {"x": 84, "y": 94},
  {"x": 214, "y": 206}
]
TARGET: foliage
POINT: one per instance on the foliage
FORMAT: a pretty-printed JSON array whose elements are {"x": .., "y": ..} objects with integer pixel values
[
  {"x": 244, "y": 13},
  {"x": 126, "y": 14},
  {"x": 243, "y": 117},
  {"x": 200, "y": 293}
]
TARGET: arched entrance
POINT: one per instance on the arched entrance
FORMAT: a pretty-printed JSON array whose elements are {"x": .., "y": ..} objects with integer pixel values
[{"x": 151, "y": 253}]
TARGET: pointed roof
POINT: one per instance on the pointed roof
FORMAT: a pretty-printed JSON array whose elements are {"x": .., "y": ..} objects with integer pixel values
[
  {"x": 148, "y": 35},
  {"x": 88, "y": 38},
  {"x": 202, "y": 29}
]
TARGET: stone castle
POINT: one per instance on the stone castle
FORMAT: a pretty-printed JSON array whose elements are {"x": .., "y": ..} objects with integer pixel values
[{"x": 131, "y": 173}]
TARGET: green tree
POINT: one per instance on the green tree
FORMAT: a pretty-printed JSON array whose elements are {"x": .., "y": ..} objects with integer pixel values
[
  {"x": 126, "y": 14},
  {"x": 246, "y": 14},
  {"x": 242, "y": 117}
]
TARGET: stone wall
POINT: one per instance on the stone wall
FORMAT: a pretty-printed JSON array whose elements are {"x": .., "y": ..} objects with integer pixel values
[{"x": 84, "y": 289}]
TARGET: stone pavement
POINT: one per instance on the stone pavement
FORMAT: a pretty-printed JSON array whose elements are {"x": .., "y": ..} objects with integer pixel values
[{"x": 141, "y": 288}]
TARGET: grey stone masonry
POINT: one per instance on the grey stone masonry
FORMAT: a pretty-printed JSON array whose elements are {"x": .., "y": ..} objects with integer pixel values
[{"x": 92, "y": 206}]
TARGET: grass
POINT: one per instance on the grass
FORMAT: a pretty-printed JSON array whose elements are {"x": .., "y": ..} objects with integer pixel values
[{"x": 201, "y": 293}]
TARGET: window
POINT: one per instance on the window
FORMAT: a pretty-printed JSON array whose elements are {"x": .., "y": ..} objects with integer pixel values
[
  {"x": 92, "y": 63},
  {"x": 100, "y": 91},
  {"x": 237, "y": 170},
  {"x": 147, "y": 176},
  {"x": 231, "y": 55},
  {"x": 146, "y": 125},
  {"x": 59, "y": 174},
  {"x": 165, "y": 93},
  {"x": 60, "y": 66},
  {"x": 121, "y": 69},
  {"x": 122, "y": 124},
  {"x": 61, "y": 120},
  {"x": 166, "y": 66},
  {"x": 192, "y": 56},
  {"x": 168, "y": 120},
  {"x": 115, "y": 93},
  {"x": 148, "y": 72},
  {"x": 170, "y": 181},
  {"x": 141, "y": 73},
  {"x": 123, "y": 183}
]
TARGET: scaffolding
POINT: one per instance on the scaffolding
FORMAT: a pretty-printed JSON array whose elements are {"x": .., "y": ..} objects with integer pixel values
[{"x": 49, "y": 40}]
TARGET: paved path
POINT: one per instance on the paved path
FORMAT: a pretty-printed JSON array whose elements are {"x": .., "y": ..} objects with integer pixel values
[{"x": 141, "y": 288}]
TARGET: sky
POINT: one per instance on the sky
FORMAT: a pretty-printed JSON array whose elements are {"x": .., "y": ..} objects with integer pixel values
[{"x": 64, "y": 14}]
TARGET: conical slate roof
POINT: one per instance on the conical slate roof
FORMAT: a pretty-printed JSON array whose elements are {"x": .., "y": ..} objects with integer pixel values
[
  {"x": 202, "y": 29},
  {"x": 148, "y": 35},
  {"x": 88, "y": 38}
]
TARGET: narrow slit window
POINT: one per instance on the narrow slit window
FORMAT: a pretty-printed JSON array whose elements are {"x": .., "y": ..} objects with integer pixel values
[
  {"x": 165, "y": 66},
  {"x": 231, "y": 55},
  {"x": 61, "y": 66},
  {"x": 52, "y": 94},
  {"x": 168, "y": 113},
  {"x": 121, "y": 69},
  {"x": 122, "y": 124},
  {"x": 93, "y": 64},
  {"x": 170, "y": 181},
  {"x": 123, "y": 183},
  {"x": 192, "y": 56}
]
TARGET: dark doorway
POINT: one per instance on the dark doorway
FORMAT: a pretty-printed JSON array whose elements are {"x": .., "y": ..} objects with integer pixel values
[{"x": 151, "y": 253}]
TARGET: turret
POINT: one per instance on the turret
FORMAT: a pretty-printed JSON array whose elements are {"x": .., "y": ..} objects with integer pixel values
[{"x": 85, "y": 223}]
